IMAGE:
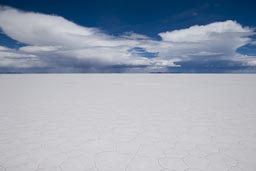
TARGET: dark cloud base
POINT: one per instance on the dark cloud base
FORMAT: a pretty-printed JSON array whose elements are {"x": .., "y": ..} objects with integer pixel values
[
  {"x": 190, "y": 66},
  {"x": 213, "y": 66}
]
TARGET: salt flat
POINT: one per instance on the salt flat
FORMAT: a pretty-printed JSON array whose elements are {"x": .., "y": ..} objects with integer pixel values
[{"x": 131, "y": 122}]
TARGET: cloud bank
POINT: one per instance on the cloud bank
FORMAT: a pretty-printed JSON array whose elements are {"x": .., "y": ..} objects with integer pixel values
[{"x": 54, "y": 44}]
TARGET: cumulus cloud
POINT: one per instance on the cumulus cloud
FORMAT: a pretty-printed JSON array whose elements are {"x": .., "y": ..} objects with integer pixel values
[
  {"x": 12, "y": 60},
  {"x": 52, "y": 43},
  {"x": 206, "y": 32},
  {"x": 219, "y": 37}
]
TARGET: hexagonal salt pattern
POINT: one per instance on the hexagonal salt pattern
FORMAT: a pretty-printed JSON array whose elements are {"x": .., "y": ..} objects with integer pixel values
[{"x": 129, "y": 122}]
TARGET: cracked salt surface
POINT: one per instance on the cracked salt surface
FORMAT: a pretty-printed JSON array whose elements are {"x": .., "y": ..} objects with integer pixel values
[{"x": 136, "y": 122}]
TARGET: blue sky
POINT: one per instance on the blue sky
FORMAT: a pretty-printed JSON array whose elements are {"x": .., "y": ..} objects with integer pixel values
[{"x": 127, "y": 36}]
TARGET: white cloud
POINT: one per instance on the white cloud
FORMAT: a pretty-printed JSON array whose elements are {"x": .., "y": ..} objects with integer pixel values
[
  {"x": 60, "y": 43},
  {"x": 206, "y": 32},
  {"x": 39, "y": 49},
  {"x": 2, "y": 48},
  {"x": 40, "y": 29},
  {"x": 11, "y": 58},
  {"x": 219, "y": 37},
  {"x": 132, "y": 35}
]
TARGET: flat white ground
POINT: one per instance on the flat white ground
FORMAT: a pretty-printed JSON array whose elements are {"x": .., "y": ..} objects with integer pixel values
[{"x": 112, "y": 122}]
